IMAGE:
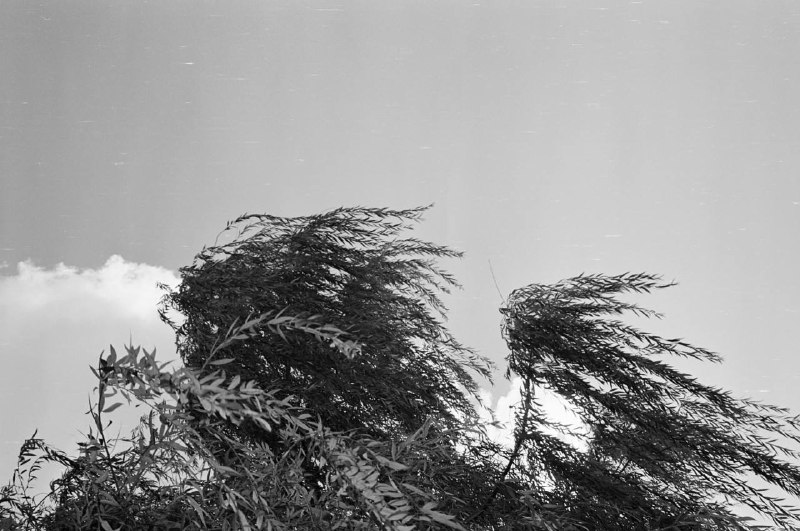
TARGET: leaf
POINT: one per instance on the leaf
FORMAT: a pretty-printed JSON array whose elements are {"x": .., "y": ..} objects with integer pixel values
[
  {"x": 445, "y": 519},
  {"x": 222, "y": 361},
  {"x": 112, "y": 357},
  {"x": 391, "y": 464},
  {"x": 112, "y": 407}
]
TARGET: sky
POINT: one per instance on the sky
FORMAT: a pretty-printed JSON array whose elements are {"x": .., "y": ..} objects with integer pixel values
[{"x": 552, "y": 137}]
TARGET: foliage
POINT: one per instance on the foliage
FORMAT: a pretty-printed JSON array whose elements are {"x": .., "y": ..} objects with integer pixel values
[
  {"x": 320, "y": 389},
  {"x": 348, "y": 268},
  {"x": 183, "y": 470},
  {"x": 663, "y": 446}
]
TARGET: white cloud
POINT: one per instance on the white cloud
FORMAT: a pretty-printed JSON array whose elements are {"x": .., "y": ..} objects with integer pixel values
[
  {"x": 555, "y": 408},
  {"x": 53, "y": 325}
]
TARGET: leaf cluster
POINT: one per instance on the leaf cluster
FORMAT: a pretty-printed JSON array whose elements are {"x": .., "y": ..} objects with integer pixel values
[
  {"x": 183, "y": 467},
  {"x": 351, "y": 269},
  {"x": 663, "y": 446}
]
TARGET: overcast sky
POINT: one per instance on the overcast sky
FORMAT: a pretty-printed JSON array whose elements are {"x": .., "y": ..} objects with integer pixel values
[{"x": 553, "y": 137}]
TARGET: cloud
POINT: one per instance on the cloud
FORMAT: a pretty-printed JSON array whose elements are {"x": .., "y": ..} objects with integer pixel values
[
  {"x": 54, "y": 323},
  {"x": 555, "y": 409}
]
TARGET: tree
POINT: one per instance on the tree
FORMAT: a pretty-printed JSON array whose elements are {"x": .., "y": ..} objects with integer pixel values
[
  {"x": 321, "y": 390},
  {"x": 349, "y": 269},
  {"x": 664, "y": 447}
]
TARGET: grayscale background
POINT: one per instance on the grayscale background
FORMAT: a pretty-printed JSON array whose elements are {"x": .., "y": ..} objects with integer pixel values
[{"x": 553, "y": 137}]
